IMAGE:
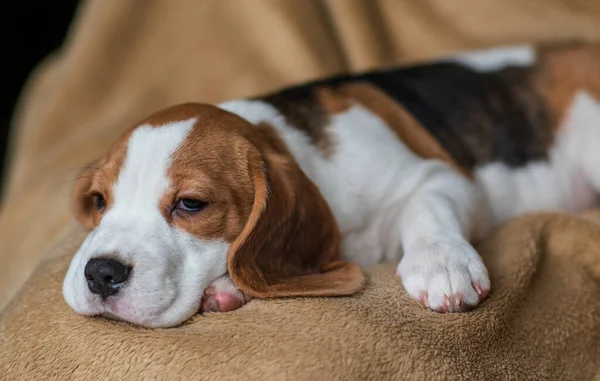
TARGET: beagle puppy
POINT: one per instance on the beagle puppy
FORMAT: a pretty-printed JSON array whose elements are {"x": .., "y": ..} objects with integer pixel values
[{"x": 202, "y": 207}]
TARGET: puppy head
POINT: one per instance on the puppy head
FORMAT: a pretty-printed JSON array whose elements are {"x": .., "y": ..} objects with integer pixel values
[{"x": 189, "y": 194}]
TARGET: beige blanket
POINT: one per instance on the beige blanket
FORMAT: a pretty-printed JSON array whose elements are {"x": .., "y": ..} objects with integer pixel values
[
  {"x": 125, "y": 59},
  {"x": 541, "y": 321}
]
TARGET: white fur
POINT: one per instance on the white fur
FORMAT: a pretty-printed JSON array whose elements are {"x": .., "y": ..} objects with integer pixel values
[
  {"x": 388, "y": 201},
  {"x": 495, "y": 58},
  {"x": 171, "y": 269},
  {"x": 569, "y": 180},
  {"x": 581, "y": 136},
  {"x": 392, "y": 205}
]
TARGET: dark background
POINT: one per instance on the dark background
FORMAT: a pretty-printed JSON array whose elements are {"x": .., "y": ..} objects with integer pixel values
[{"x": 31, "y": 29}]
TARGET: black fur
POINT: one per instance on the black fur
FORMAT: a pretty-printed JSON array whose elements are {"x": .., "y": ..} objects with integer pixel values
[
  {"x": 478, "y": 117},
  {"x": 302, "y": 110}
]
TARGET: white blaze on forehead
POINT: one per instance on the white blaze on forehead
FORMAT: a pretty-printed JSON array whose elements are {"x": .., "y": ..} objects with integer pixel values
[
  {"x": 143, "y": 178},
  {"x": 495, "y": 58},
  {"x": 171, "y": 268}
]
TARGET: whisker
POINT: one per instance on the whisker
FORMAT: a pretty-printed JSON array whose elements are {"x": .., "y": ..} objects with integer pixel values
[
  {"x": 65, "y": 182},
  {"x": 75, "y": 169}
]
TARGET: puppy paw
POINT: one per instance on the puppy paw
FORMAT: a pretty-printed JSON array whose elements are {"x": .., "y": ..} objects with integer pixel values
[
  {"x": 223, "y": 296},
  {"x": 446, "y": 276}
]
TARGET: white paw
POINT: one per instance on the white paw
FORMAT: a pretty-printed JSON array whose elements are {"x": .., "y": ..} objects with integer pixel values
[{"x": 446, "y": 276}]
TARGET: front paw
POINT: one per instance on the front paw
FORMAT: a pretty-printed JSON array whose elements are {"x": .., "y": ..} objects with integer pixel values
[
  {"x": 223, "y": 296},
  {"x": 446, "y": 276}
]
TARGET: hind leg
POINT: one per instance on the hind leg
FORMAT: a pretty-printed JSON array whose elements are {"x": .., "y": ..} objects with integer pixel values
[
  {"x": 579, "y": 147},
  {"x": 582, "y": 135}
]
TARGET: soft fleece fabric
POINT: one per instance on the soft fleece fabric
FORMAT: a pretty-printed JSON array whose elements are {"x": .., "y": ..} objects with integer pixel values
[
  {"x": 541, "y": 321},
  {"x": 125, "y": 59}
]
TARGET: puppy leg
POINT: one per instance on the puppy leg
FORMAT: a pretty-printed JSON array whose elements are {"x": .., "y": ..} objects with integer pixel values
[
  {"x": 223, "y": 296},
  {"x": 580, "y": 137},
  {"x": 440, "y": 268}
]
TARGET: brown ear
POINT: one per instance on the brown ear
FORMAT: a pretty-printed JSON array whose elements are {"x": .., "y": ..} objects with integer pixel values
[
  {"x": 82, "y": 201},
  {"x": 290, "y": 245}
]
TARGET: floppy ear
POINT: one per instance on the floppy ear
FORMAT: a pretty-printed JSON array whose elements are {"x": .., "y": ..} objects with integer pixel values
[
  {"x": 82, "y": 202},
  {"x": 290, "y": 245}
]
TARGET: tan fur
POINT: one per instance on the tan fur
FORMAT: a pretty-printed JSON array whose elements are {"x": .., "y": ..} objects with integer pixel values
[
  {"x": 96, "y": 179},
  {"x": 311, "y": 116},
  {"x": 408, "y": 129},
  {"x": 332, "y": 100},
  {"x": 258, "y": 199},
  {"x": 282, "y": 251},
  {"x": 211, "y": 165},
  {"x": 565, "y": 69}
]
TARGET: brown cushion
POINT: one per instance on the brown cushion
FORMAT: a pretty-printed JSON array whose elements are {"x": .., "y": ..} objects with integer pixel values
[{"x": 541, "y": 321}]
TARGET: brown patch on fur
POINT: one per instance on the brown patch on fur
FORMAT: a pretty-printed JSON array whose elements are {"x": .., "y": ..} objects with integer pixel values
[
  {"x": 98, "y": 179},
  {"x": 332, "y": 101},
  {"x": 290, "y": 245},
  {"x": 406, "y": 127},
  {"x": 211, "y": 165},
  {"x": 307, "y": 111},
  {"x": 284, "y": 239},
  {"x": 565, "y": 69}
]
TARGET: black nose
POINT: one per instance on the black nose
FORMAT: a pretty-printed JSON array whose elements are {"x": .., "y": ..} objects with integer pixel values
[{"x": 105, "y": 276}]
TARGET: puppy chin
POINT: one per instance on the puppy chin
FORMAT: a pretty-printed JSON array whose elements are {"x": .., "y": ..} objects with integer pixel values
[
  {"x": 121, "y": 308},
  {"x": 131, "y": 309},
  {"x": 160, "y": 317}
]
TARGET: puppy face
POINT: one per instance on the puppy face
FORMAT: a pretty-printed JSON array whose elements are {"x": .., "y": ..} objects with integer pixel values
[
  {"x": 164, "y": 205},
  {"x": 188, "y": 195}
]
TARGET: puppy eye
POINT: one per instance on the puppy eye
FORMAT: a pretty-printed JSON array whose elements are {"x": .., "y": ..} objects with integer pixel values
[
  {"x": 190, "y": 205},
  {"x": 99, "y": 202}
]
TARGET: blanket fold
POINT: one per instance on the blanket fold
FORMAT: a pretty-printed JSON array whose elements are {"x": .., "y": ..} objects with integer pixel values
[{"x": 541, "y": 321}]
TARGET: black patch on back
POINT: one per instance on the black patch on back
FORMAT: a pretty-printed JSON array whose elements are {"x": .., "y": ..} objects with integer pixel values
[
  {"x": 302, "y": 110},
  {"x": 477, "y": 117}
]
